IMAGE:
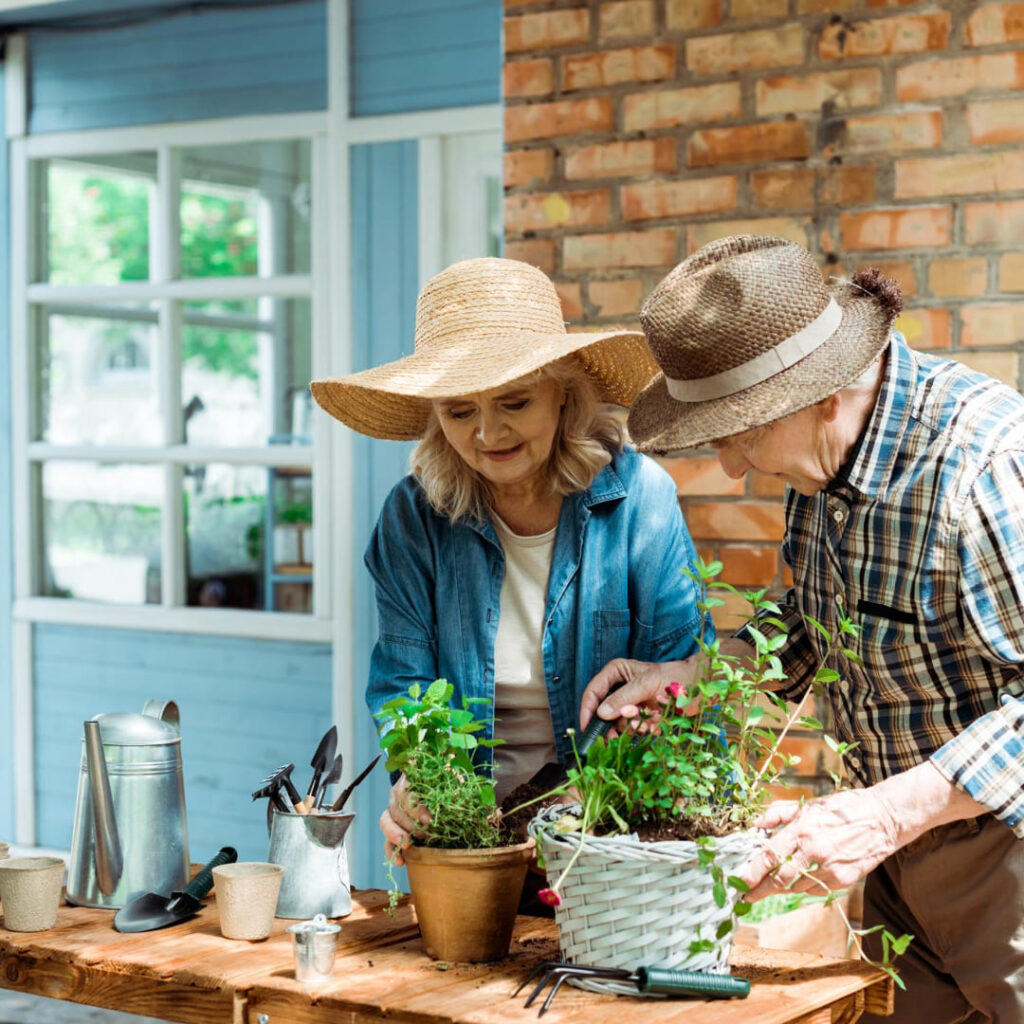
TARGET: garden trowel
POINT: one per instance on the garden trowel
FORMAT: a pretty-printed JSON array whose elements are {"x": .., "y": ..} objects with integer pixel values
[{"x": 155, "y": 910}]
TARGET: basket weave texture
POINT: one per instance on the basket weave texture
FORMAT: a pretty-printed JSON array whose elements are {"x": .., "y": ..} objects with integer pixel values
[{"x": 628, "y": 903}]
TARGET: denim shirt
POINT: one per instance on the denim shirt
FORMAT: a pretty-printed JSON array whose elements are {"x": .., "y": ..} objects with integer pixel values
[{"x": 616, "y": 589}]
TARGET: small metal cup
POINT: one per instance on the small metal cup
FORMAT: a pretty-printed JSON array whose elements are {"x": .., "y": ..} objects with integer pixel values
[{"x": 316, "y": 943}]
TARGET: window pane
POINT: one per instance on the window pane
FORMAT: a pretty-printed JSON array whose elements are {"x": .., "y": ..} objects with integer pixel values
[
  {"x": 101, "y": 531},
  {"x": 98, "y": 380},
  {"x": 245, "y": 209},
  {"x": 227, "y": 521},
  {"x": 96, "y": 219},
  {"x": 246, "y": 371}
]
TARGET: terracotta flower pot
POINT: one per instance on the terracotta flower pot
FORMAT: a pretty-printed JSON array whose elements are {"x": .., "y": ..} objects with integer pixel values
[{"x": 466, "y": 900}]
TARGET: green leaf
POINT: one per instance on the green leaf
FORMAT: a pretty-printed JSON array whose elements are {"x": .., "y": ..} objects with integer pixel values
[
  {"x": 819, "y": 627},
  {"x": 827, "y": 675},
  {"x": 724, "y": 928},
  {"x": 738, "y": 884},
  {"x": 809, "y": 722}
]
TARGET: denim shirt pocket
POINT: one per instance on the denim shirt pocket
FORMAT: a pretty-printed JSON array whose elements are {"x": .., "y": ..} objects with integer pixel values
[{"x": 611, "y": 635}]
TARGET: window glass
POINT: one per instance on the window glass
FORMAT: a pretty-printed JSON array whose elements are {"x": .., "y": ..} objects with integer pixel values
[
  {"x": 245, "y": 209},
  {"x": 101, "y": 531},
  {"x": 246, "y": 367},
  {"x": 96, "y": 214},
  {"x": 98, "y": 382},
  {"x": 227, "y": 522}
]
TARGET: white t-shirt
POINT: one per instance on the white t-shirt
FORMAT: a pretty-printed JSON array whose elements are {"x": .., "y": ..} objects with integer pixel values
[{"x": 521, "y": 710}]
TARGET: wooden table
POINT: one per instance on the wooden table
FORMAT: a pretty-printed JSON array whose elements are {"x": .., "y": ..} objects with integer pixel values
[{"x": 191, "y": 973}]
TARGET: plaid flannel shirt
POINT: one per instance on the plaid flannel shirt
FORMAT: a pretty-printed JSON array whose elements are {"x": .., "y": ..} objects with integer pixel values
[{"x": 920, "y": 541}]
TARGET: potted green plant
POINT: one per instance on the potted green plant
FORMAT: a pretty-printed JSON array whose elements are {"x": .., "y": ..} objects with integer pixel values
[
  {"x": 466, "y": 874},
  {"x": 643, "y": 869}
]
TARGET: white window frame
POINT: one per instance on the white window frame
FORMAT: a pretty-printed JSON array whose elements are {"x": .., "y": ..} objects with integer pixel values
[{"x": 165, "y": 292}]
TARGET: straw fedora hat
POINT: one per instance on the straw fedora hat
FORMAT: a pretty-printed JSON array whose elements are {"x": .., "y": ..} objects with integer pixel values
[
  {"x": 746, "y": 331},
  {"x": 480, "y": 324}
]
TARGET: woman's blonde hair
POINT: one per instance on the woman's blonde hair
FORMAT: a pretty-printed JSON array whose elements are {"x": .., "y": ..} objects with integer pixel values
[{"x": 587, "y": 434}]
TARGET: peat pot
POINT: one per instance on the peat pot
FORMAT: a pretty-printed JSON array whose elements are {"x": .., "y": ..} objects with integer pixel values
[{"x": 466, "y": 900}]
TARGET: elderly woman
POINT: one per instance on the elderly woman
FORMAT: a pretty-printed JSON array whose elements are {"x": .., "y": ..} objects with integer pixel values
[{"x": 527, "y": 548}]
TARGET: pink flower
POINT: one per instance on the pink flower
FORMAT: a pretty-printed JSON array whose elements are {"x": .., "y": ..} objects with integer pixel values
[
  {"x": 629, "y": 711},
  {"x": 550, "y": 897},
  {"x": 674, "y": 689}
]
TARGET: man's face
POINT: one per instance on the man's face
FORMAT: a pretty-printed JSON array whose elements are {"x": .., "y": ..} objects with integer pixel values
[{"x": 794, "y": 449}]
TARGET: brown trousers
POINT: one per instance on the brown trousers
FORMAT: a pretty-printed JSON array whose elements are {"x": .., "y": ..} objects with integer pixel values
[{"x": 959, "y": 890}]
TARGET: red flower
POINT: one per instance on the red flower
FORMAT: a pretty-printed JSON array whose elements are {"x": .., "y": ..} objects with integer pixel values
[
  {"x": 674, "y": 689},
  {"x": 550, "y": 897}
]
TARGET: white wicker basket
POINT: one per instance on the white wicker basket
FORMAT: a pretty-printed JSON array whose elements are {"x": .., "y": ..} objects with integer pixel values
[{"x": 628, "y": 903}]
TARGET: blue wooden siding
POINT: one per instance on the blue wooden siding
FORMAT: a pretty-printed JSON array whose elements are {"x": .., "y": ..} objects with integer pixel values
[
  {"x": 424, "y": 54},
  {"x": 6, "y": 567},
  {"x": 384, "y": 183},
  {"x": 218, "y": 63},
  {"x": 247, "y": 706}
]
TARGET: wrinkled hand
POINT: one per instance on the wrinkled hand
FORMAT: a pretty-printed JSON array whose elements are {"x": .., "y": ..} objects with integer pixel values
[
  {"x": 402, "y": 820},
  {"x": 644, "y": 681},
  {"x": 835, "y": 841}
]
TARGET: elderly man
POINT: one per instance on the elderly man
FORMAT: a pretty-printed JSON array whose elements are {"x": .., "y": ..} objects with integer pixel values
[{"x": 904, "y": 512}]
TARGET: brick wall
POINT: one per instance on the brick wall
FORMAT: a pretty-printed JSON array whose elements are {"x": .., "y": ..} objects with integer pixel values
[{"x": 875, "y": 132}]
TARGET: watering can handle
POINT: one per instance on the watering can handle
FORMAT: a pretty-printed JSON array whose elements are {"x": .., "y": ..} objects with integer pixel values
[
  {"x": 109, "y": 860},
  {"x": 165, "y": 710}
]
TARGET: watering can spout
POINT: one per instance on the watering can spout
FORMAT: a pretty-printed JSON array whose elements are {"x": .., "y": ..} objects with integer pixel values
[{"x": 109, "y": 860}]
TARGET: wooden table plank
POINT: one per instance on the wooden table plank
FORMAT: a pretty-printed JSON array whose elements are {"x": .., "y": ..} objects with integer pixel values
[{"x": 191, "y": 973}]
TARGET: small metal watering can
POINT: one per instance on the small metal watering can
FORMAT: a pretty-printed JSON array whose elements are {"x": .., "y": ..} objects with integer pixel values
[
  {"x": 311, "y": 848},
  {"x": 129, "y": 835}
]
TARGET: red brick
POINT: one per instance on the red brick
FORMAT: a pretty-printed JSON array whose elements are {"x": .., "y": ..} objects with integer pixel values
[
  {"x": 748, "y": 566},
  {"x": 925, "y": 328},
  {"x": 686, "y": 15},
  {"x": 671, "y": 107},
  {"x": 999, "y": 121},
  {"x": 1001, "y": 324},
  {"x": 854, "y": 87},
  {"x": 547, "y": 30},
  {"x": 892, "y": 3},
  {"x": 736, "y": 520},
  {"x": 539, "y": 252},
  {"x": 783, "y": 190},
  {"x": 764, "y": 486},
  {"x": 936, "y": 78},
  {"x": 992, "y": 24},
  {"x": 569, "y": 296},
  {"x": 901, "y": 271},
  {"x": 1011, "y": 272},
  {"x": 616, "y": 298},
  {"x": 528, "y": 166},
  {"x": 848, "y": 186},
  {"x": 1004, "y": 366},
  {"x": 958, "y": 276},
  {"x": 758, "y": 10},
  {"x": 622, "y": 159},
  {"x": 743, "y": 51},
  {"x": 892, "y": 133},
  {"x": 566, "y": 117},
  {"x": 678, "y": 198},
  {"x": 956, "y": 175},
  {"x": 824, "y": 6},
  {"x": 625, "y": 19},
  {"x": 542, "y": 211},
  {"x": 528, "y": 78},
  {"x": 907, "y": 33},
  {"x": 613, "y": 67},
  {"x": 998, "y": 223},
  {"x": 785, "y": 227},
  {"x": 620, "y": 249},
  {"x": 700, "y": 476},
  {"x": 915, "y": 228},
  {"x": 751, "y": 143}
]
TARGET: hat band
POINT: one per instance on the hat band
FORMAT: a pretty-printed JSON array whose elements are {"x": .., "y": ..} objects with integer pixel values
[{"x": 764, "y": 366}]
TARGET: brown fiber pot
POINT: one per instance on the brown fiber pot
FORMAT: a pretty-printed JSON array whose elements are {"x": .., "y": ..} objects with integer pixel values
[{"x": 466, "y": 900}]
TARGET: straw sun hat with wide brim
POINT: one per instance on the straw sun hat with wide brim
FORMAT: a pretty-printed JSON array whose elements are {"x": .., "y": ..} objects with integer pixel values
[
  {"x": 746, "y": 331},
  {"x": 481, "y": 324}
]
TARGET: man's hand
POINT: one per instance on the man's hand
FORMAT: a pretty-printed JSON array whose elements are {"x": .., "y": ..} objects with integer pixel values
[
  {"x": 402, "y": 820},
  {"x": 643, "y": 680}
]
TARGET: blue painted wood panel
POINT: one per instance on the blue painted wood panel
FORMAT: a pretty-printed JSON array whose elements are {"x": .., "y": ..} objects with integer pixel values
[
  {"x": 424, "y": 54},
  {"x": 216, "y": 63},
  {"x": 247, "y": 706},
  {"x": 385, "y": 243},
  {"x": 6, "y": 567}
]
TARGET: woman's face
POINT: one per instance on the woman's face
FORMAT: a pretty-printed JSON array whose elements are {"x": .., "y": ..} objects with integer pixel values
[{"x": 506, "y": 434}]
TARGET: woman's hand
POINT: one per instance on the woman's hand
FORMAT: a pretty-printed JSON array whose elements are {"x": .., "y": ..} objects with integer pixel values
[
  {"x": 402, "y": 821},
  {"x": 644, "y": 681}
]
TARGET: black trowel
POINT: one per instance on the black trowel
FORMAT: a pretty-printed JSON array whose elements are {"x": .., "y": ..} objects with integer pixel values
[{"x": 154, "y": 910}]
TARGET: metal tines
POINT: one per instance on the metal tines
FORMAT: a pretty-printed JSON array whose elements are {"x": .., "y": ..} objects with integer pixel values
[{"x": 654, "y": 980}]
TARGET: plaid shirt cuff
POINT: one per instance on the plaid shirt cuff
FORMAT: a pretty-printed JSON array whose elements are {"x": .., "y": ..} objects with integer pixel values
[{"x": 986, "y": 761}]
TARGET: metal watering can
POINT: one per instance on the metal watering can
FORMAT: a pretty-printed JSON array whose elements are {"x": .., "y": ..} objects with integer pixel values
[{"x": 129, "y": 835}]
